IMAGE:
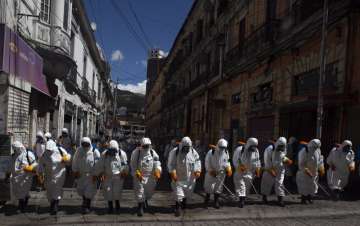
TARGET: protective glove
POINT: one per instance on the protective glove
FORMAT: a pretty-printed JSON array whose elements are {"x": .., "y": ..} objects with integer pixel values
[
  {"x": 228, "y": 171},
  {"x": 213, "y": 173},
  {"x": 65, "y": 159},
  {"x": 258, "y": 172},
  {"x": 124, "y": 174},
  {"x": 307, "y": 171},
  {"x": 173, "y": 176},
  {"x": 139, "y": 175},
  {"x": 242, "y": 168},
  {"x": 288, "y": 161},
  {"x": 197, "y": 174},
  {"x": 321, "y": 171},
  {"x": 76, "y": 175},
  {"x": 351, "y": 167},
  {"x": 29, "y": 168},
  {"x": 41, "y": 179},
  {"x": 272, "y": 172},
  {"x": 157, "y": 174}
]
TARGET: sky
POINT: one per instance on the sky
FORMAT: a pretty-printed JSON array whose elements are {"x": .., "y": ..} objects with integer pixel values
[{"x": 115, "y": 22}]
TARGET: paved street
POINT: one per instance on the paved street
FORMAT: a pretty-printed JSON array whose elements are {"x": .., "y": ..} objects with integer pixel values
[{"x": 321, "y": 213}]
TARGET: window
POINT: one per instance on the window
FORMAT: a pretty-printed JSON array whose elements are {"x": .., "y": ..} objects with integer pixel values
[
  {"x": 84, "y": 64},
  {"x": 199, "y": 31},
  {"x": 66, "y": 15},
  {"x": 72, "y": 41},
  {"x": 45, "y": 11},
  {"x": 235, "y": 98}
]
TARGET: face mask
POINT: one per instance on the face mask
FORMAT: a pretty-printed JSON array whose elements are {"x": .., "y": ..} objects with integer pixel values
[
  {"x": 145, "y": 147},
  {"x": 85, "y": 145},
  {"x": 39, "y": 140},
  {"x": 185, "y": 149},
  {"x": 280, "y": 148},
  {"x": 346, "y": 149},
  {"x": 112, "y": 151},
  {"x": 252, "y": 148},
  {"x": 222, "y": 148},
  {"x": 64, "y": 135}
]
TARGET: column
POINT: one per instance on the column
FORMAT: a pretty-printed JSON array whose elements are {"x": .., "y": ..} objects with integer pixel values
[{"x": 33, "y": 127}]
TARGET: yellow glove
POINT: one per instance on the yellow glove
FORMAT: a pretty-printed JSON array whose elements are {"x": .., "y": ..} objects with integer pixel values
[
  {"x": 307, "y": 171},
  {"x": 29, "y": 168},
  {"x": 139, "y": 175},
  {"x": 157, "y": 174},
  {"x": 288, "y": 161},
  {"x": 257, "y": 172},
  {"x": 197, "y": 174},
  {"x": 173, "y": 176},
  {"x": 272, "y": 172},
  {"x": 228, "y": 171},
  {"x": 351, "y": 167},
  {"x": 124, "y": 173},
  {"x": 212, "y": 173},
  {"x": 41, "y": 179},
  {"x": 66, "y": 158},
  {"x": 321, "y": 171},
  {"x": 242, "y": 168}
]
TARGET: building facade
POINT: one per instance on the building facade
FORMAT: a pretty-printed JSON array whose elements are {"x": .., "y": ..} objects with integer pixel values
[
  {"x": 247, "y": 68},
  {"x": 70, "y": 85}
]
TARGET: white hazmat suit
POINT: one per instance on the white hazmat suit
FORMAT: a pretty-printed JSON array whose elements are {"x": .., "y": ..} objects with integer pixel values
[
  {"x": 341, "y": 163},
  {"x": 310, "y": 162},
  {"x": 40, "y": 143},
  {"x": 246, "y": 161},
  {"x": 113, "y": 167},
  {"x": 83, "y": 167},
  {"x": 53, "y": 165},
  {"x": 217, "y": 165},
  {"x": 146, "y": 170},
  {"x": 184, "y": 166},
  {"x": 22, "y": 172}
]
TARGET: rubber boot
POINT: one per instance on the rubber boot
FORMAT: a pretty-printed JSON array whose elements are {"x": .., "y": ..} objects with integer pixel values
[
  {"x": 26, "y": 201},
  {"x": 242, "y": 202},
  {"x": 140, "y": 210},
  {"x": 21, "y": 207},
  {"x": 110, "y": 207},
  {"x": 87, "y": 209},
  {"x": 52, "y": 207},
  {"x": 83, "y": 205},
  {"x": 310, "y": 199},
  {"x": 177, "y": 209},
  {"x": 117, "y": 206},
  {"x": 303, "y": 200},
  {"x": 206, "y": 201},
  {"x": 336, "y": 195},
  {"x": 264, "y": 198},
  {"x": 184, "y": 203},
  {"x": 216, "y": 201},
  {"x": 55, "y": 207},
  {"x": 281, "y": 201},
  {"x": 146, "y": 204}
]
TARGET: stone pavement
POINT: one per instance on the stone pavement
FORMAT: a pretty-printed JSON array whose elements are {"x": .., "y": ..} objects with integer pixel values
[{"x": 323, "y": 212}]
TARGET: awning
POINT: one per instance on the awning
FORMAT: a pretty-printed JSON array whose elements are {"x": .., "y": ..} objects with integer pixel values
[{"x": 19, "y": 59}]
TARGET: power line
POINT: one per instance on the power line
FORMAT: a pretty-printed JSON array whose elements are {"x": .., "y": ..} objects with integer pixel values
[
  {"x": 130, "y": 27},
  {"x": 147, "y": 39}
]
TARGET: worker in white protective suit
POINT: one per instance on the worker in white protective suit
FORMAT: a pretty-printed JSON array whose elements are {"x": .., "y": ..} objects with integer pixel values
[
  {"x": 217, "y": 165},
  {"x": 52, "y": 171},
  {"x": 48, "y": 136},
  {"x": 341, "y": 163},
  {"x": 39, "y": 146},
  {"x": 246, "y": 161},
  {"x": 113, "y": 169},
  {"x": 275, "y": 161},
  {"x": 65, "y": 140},
  {"x": 146, "y": 171},
  {"x": 83, "y": 167},
  {"x": 184, "y": 167},
  {"x": 23, "y": 168},
  {"x": 311, "y": 166}
]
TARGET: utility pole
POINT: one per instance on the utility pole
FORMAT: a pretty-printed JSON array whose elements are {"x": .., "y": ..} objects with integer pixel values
[
  {"x": 115, "y": 106},
  {"x": 320, "y": 107}
]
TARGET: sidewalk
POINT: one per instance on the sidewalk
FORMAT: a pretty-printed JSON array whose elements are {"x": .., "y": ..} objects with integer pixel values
[{"x": 162, "y": 210}]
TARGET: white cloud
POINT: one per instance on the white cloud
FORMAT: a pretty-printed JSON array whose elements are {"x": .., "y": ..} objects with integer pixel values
[
  {"x": 117, "y": 55},
  {"x": 135, "y": 88},
  {"x": 163, "y": 53},
  {"x": 93, "y": 26}
]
